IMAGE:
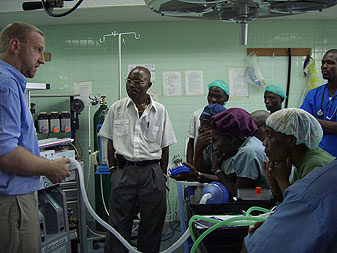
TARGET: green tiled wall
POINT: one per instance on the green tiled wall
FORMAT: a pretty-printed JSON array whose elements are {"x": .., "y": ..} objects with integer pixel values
[{"x": 77, "y": 55}]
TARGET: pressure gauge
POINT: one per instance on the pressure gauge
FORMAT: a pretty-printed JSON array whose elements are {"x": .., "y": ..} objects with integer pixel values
[
  {"x": 77, "y": 105},
  {"x": 92, "y": 97},
  {"x": 98, "y": 96}
]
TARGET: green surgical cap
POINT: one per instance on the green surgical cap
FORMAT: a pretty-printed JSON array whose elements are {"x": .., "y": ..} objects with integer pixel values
[
  {"x": 221, "y": 84},
  {"x": 299, "y": 123},
  {"x": 277, "y": 89}
]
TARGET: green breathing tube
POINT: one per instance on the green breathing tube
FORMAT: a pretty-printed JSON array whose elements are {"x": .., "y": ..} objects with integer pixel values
[
  {"x": 247, "y": 220},
  {"x": 256, "y": 208}
]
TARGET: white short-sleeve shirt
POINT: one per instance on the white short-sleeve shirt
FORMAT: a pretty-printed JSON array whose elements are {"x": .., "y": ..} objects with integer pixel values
[
  {"x": 194, "y": 124},
  {"x": 138, "y": 139}
]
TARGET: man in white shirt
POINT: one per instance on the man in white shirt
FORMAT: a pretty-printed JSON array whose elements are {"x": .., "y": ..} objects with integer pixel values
[
  {"x": 218, "y": 93},
  {"x": 140, "y": 133}
]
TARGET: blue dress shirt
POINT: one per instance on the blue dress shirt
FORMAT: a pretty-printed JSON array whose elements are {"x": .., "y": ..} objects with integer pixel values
[{"x": 16, "y": 129}]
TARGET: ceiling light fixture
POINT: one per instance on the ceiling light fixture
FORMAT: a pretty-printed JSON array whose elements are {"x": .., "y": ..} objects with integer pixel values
[{"x": 240, "y": 11}]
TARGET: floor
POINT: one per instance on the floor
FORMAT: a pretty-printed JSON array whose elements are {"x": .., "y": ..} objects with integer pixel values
[{"x": 170, "y": 236}]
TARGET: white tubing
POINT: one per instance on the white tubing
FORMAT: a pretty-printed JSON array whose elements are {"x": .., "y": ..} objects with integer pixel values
[
  {"x": 131, "y": 249},
  {"x": 179, "y": 242},
  {"x": 204, "y": 198},
  {"x": 102, "y": 194}
]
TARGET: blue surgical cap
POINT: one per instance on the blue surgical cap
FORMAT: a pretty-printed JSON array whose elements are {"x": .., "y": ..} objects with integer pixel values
[
  {"x": 276, "y": 89},
  {"x": 220, "y": 84},
  {"x": 211, "y": 110}
]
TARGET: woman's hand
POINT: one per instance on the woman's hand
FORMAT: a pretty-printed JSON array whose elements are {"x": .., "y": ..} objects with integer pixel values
[{"x": 192, "y": 175}]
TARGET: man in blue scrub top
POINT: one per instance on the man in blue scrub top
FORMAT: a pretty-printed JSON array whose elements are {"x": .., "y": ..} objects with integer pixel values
[
  {"x": 305, "y": 221},
  {"x": 21, "y": 53},
  {"x": 322, "y": 102}
]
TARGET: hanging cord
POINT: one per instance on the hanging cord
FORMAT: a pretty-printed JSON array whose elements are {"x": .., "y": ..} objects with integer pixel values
[
  {"x": 76, "y": 151},
  {"x": 79, "y": 145},
  {"x": 288, "y": 80},
  {"x": 50, "y": 13}
]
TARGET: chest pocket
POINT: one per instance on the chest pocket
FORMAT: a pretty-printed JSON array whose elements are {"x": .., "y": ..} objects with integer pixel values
[
  {"x": 121, "y": 127},
  {"x": 152, "y": 134}
]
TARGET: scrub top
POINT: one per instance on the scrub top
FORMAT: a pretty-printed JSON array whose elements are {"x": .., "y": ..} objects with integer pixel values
[
  {"x": 318, "y": 101},
  {"x": 306, "y": 219}
]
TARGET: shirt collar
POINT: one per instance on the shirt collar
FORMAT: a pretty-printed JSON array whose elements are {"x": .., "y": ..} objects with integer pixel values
[
  {"x": 16, "y": 73},
  {"x": 151, "y": 104}
]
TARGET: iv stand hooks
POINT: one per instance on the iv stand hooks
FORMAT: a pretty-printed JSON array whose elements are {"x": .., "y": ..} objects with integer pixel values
[{"x": 114, "y": 33}]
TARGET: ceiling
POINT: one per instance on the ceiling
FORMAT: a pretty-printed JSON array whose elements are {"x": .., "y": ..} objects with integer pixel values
[{"x": 112, "y": 11}]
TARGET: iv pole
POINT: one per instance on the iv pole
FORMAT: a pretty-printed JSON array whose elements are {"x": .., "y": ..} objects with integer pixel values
[{"x": 114, "y": 34}]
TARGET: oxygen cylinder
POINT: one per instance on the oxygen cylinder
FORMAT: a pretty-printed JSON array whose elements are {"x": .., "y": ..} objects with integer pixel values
[{"x": 98, "y": 119}]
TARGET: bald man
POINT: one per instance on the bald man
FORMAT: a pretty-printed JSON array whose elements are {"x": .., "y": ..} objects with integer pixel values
[
  {"x": 139, "y": 133},
  {"x": 260, "y": 117}
]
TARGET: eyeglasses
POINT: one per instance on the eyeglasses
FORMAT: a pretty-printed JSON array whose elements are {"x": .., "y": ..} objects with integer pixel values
[{"x": 134, "y": 82}]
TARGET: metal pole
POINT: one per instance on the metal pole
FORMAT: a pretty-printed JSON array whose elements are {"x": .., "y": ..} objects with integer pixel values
[
  {"x": 120, "y": 66},
  {"x": 243, "y": 33},
  {"x": 101, "y": 40}
]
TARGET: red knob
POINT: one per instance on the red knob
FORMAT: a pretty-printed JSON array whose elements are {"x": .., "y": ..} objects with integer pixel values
[{"x": 258, "y": 190}]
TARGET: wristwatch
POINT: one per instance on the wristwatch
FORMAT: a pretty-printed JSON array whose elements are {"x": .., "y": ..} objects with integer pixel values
[{"x": 199, "y": 175}]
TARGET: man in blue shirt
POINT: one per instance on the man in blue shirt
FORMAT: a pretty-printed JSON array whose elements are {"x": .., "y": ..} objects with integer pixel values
[
  {"x": 21, "y": 53},
  {"x": 305, "y": 221},
  {"x": 322, "y": 102}
]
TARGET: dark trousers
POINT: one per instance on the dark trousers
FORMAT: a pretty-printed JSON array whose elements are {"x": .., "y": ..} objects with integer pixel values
[{"x": 144, "y": 187}]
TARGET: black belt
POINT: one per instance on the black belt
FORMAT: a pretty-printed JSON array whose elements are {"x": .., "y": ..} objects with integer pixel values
[{"x": 121, "y": 162}]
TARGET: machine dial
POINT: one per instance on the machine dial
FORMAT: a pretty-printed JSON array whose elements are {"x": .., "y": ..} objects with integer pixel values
[{"x": 77, "y": 105}]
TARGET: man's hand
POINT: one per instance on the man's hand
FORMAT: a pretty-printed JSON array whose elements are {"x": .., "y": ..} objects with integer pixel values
[{"x": 57, "y": 170}]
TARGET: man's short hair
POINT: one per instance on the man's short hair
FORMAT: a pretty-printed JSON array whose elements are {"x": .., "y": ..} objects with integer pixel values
[
  {"x": 19, "y": 31},
  {"x": 260, "y": 117},
  {"x": 332, "y": 51}
]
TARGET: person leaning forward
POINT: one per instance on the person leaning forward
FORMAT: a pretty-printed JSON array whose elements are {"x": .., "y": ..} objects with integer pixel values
[
  {"x": 21, "y": 53},
  {"x": 140, "y": 133}
]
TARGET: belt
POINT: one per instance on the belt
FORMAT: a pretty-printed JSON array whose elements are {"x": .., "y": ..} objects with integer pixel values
[{"x": 121, "y": 161}]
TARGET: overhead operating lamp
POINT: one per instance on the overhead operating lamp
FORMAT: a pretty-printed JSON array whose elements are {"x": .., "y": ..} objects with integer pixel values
[
  {"x": 49, "y": 5},
  {"x": 240, "y": 11}
]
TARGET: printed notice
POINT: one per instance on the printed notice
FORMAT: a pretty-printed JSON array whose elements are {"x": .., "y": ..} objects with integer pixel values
[
  {"x": 84, "y": 89},
  {"x": 194, "y": 82},
  {"x": 238, "y": 86},
  {"x": 172, "y": 83}
]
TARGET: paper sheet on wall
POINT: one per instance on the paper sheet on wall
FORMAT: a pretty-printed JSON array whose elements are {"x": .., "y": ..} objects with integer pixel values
[
  {"x": 194, "y": 82},
  {"x": 172, "y": 83},
  {"x": 150, "y": 67},
  {"x": 238, "y": 86},
  {"x": 84, "y": 89}
]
